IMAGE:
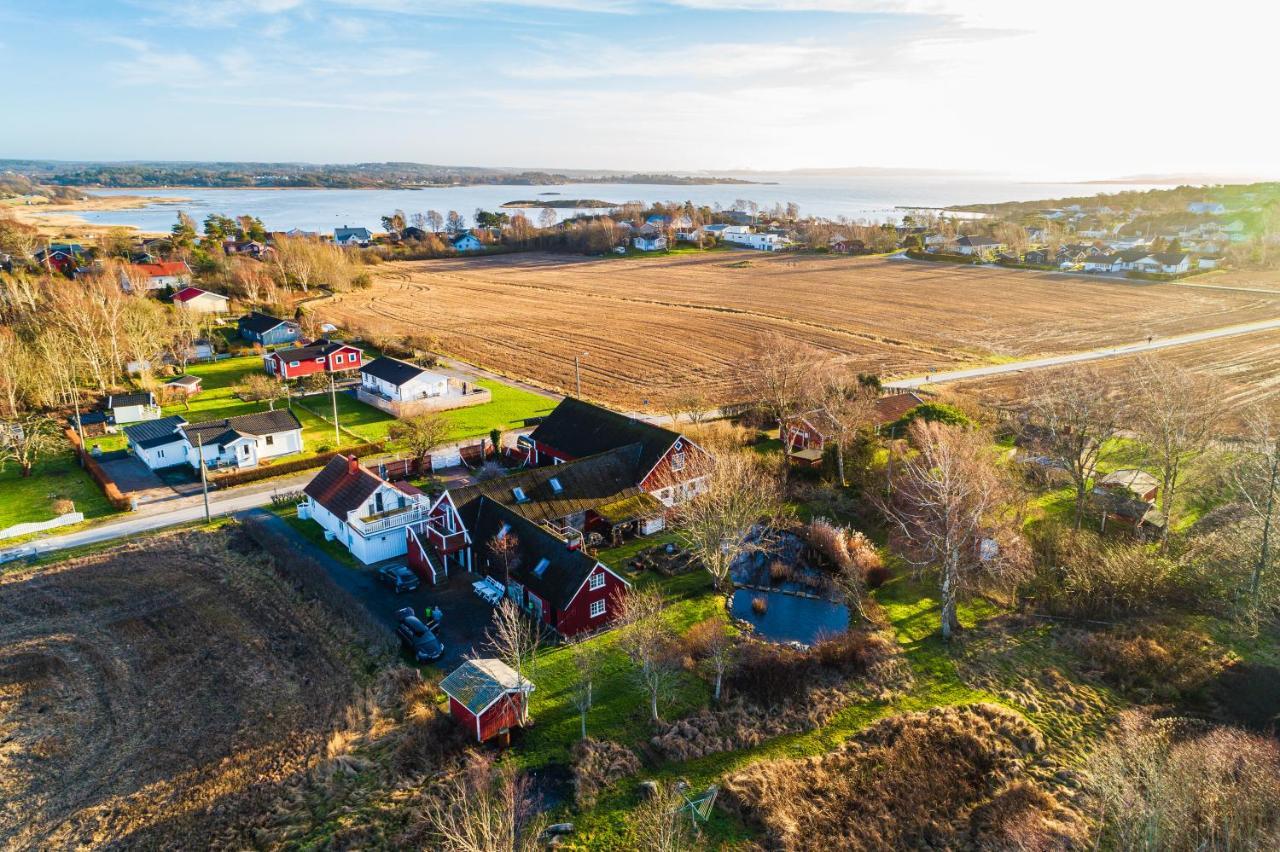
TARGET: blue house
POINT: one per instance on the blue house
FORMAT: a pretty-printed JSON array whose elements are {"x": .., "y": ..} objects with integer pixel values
[
  {"x": 267, "y": 330},
  {"x": 467, "y": 242}
]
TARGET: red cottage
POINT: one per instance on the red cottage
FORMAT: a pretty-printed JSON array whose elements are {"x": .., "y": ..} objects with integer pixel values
[
  {"x": 323, "y": 356},
  {"x": 487, "y": 697},
  {"x": 805, "y": 436}
]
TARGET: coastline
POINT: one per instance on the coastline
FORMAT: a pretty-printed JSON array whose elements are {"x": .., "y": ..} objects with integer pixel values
[{"x": 60, "y": 219}]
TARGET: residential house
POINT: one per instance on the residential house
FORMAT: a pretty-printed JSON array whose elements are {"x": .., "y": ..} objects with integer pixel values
[
  {"x": 199, "y": 301},
  {"x": 371, "y": 517},
  {"x": 63, "y": 257},
  {"x": 158, "y": 443},
  {"x": 670, "y": 466},
  {"x": 487, "y": 697},
  {"x": 1126, "y": 259},
  {"x": 649, "y": 238},
  {"x": 892, "y": 407},
  {"x": 1212, "y": 208},
  {"x": 323, "y": 356},
  {"x": 186, "y": 385},
  {"x": 1210, "y": 261},
  {"x": 804, "y": 436},
  {"x": 1038, "y": 257},
  {"x": 467, "y": 242},
  {"x": 1166, "y": 263},
  {"x": 124, "y": 408},
  {"x": 243, "y": 441},
  {"x": 747, "y": 238},
  {"x": 268, "y": 330},
  {"x": 978, "y": 246},
  {"x": 1100, "y": 263},
  {"x": 400, "y": 381},
  {"x": 1129, "y": 496},
  {"x": 840, "y": 244},
  {"x": 345, "y": 236},
  {"x": 165, "y": 274}
]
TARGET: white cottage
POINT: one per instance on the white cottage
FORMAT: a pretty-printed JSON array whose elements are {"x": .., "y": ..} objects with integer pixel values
[
  {"x": 363, "y": 511},
  {"x": 400, "y": 381}
]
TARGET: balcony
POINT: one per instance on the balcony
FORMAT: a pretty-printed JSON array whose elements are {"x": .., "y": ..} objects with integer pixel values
[
  {"x": 389, "y": 520},
  {"x": 444, "y": 542}
]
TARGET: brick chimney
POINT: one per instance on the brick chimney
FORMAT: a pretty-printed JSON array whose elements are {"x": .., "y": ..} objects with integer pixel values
[{"x": 353, "y": 465}]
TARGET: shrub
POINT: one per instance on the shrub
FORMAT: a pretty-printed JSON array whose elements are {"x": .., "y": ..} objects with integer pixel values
[
  {"x": 877, "y": 577},
  {"x": 598, "y": 764},
  {"x": 63, "y": 506},
  {"x": 759, "y": 605},
  {"x": 1166, "y": 667}
]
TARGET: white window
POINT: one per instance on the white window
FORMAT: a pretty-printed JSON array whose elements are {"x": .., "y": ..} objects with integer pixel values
[
  {"x": 597, "y": 609},
  {"x": 677, "y": 460},
  {"x": 337, "y": 359},
  {"x": 293, "y": 363},
  {"x": 596, "y": 581}
]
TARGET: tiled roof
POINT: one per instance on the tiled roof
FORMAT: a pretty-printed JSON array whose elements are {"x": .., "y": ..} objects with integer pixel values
[
  {"x": 342, "y": 485},
  {"x": 894, "y": 406},
  {"x": 319, "y": 349},
  {"x": 155, "y": 433},
  {"x": 163, "y": 268},
  {"x": 476, "y": 684},
  {"x": 122, "y": 400}
]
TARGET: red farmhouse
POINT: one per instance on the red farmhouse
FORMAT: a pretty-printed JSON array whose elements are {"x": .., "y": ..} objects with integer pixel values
[
  {"x": 487, "y": 697},
  {"x": 322, "y": 356}
]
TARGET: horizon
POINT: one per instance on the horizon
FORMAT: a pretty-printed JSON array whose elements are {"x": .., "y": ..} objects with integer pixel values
[{"x": 690, "y": 86}]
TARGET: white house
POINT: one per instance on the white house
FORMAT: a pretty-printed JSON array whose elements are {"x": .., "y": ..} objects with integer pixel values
[
  {"x": 352, "y": 236},
  {"x": 741, "y": 235},
  {"x": 649, "y": 241},
  {"x": 363, "y": 511},
  {"x": 1210, "y": 261},
  {"x": 131, "y": 407},
  {"x": 977, "y": 245},
  {"x": 400, "y": 381},
  {"x": 199, "y": 301},
  {"x": 243, "y": 441},
  {"x": 1101, "y": 263},
  {"x": 1168, "y": 263},
  {"x": 467, "y": 242},
  {"x": 165, "y": 274},
  {"x": 158, "y": 443}
]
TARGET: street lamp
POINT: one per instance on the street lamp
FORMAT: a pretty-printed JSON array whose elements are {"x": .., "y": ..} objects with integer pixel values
[{"x": 577, "y": 372}]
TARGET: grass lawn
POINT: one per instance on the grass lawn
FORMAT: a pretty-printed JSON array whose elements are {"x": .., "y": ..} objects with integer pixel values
[
  {"x": 54, "y": 478},
  {"x": 509, "y": 409},
  {"x": 313, "y": 533}
]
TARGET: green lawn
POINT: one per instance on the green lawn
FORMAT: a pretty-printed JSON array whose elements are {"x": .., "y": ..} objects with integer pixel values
[
  {"x": 509, "y": 409},
  {"x": 54, "y": 478}
]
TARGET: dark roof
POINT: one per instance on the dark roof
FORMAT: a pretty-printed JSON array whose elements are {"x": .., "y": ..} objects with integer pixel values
[
  {"x": 581, "y": 429},
  {"x": 1132, "y": 255},
  {"x": 359, "y": 233},
  {"x": 315, "y": 350},
  {"x": 392, "y": 370},
  {"x": 342, "y": 485},
  {"x": 185, "y": 381},
  {"x": 1170, "y": 258},
  {"x": 122, "y": 400},
  {"x": 820, "y": 419},
  {"x": 585, "y": 484},
  {"x": 976, "y": 240},
  {"x": 894, "y": 406},
  {"x": 223, "y": 431},
  {"x": 476, "y": 684},
  {"x": 259, "y": 323},
  {"x": 558, "y": 580},
  {"x": 155, "y": 433}
]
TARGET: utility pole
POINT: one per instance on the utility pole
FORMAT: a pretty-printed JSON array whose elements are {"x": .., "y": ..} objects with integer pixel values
[
  {"x": 75, "y": 399},
  {"x": 577, "y": 372},
  {"x": 333, "y": 397},
  {"x": 204, "y": 479}
]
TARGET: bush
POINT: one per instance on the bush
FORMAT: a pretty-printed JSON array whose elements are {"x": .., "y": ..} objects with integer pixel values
[
  {"x": 1169, "y": 667},
  {"x": 877, "y": 577},
  {"x": 598, "y": 764},
  {"x": 63, "y": 506}
]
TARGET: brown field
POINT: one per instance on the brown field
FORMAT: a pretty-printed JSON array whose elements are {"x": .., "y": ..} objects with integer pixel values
[
  {"x": 152, "y": 694},
  {"x": 1246, "y": 369},
  {"x": 655, "y": 327}
]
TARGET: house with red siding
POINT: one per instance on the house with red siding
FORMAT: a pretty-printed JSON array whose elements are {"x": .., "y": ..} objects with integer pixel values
[
  {"x": 804, "y": 436},
  {"x": 669, "y": 466},
  {"x": 322, "y": 356},
  {"x": 487, "y": 697}
]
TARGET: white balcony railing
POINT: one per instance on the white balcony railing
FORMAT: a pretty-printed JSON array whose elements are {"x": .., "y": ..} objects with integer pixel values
[{"x": 390, "y": 520}]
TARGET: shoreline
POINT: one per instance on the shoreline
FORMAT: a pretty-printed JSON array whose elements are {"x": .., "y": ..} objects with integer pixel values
[{"x": 62, "y": 219}]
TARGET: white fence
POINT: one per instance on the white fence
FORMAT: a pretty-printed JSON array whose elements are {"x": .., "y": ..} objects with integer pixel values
[
  {"x": 40, "y": 526},
  {"x": 459, "y": 396}
]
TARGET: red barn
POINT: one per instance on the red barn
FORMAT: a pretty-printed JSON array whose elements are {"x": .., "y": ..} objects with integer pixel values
[
  {"x": 487, "y": 697},
  {"x": 323, "y": 356}
]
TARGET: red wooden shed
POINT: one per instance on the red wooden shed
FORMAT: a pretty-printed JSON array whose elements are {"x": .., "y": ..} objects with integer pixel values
[{"x": 487, "y": 697}]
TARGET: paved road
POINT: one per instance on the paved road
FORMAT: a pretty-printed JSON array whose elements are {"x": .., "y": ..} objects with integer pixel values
[{"x": 1076, "y": 357}]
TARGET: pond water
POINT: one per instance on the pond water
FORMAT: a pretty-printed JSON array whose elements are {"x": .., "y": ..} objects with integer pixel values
[
  {"x": 791, "y": 614},
  {"x": 791, "y": 618}
]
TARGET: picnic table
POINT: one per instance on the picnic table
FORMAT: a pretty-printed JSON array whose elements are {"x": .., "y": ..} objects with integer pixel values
[{"x": 489, "y": 589}]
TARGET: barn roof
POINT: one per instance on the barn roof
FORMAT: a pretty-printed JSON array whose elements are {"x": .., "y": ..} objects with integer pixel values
[
  {"x": 477, "y": 684},
  {"x": 580, "y": 429}
]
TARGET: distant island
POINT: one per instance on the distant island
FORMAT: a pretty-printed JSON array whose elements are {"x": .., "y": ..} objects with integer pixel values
[
  {"x": 218, "y": 175},
  {"x": 570, "y": 203}
]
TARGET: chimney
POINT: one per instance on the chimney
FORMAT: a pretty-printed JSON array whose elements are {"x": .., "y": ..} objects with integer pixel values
[{"x": 353, "y": 465}]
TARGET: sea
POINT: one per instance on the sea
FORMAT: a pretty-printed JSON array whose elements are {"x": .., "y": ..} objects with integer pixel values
[{"x": 858, "y": 198}]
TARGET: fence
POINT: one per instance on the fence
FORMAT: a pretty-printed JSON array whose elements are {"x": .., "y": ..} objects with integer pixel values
[
  {"x": 105, "y": 482},
  {"x": 465, "y": 397},
  {"x": 40, "y": 526}
]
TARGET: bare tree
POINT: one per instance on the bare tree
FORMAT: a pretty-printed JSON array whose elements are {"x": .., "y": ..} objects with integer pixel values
[
  {"x": 1255, "y": 479},
  {"x": 513, "y": 639},
  {"x": 1068, "y": 417},
  {"x": 1176, "y": 417},
  {"x": 484, "y": 808},
  {"x": 259, "y": 387},
  {"x": 546, "y": 218},
  {"x": 26, "y": 437},
  {"x": 645, "y": 638},
  {"x": 659, "y": 824},
  {"x": 435, "y": 222},
  {"x": 951, "y": 503},
  {"x": 775, "y": 376},
  {"x": 848, "y": 402},
  {"x": 587, "y": 657},
  {"x": 729, "y": 518},
  {"x": 711, "y": 642},
  {"x": 505, "y": 549},
  {"x": 421, "y": 433}
]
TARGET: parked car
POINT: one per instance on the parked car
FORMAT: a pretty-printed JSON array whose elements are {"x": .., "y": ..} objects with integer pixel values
[
  {"x": 398, "y": 578},
  {"x": 417, "y": 638}
]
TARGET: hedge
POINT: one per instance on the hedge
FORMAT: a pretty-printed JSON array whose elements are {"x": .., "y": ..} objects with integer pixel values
[
  {"x": 266, "y": 471},
  {"x": 944, "y": 258},
  {"x": 106, "y": 483}
]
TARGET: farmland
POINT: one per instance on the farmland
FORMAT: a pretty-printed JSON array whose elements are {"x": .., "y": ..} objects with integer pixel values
[
  {"x": 149, "y": 691},
  {"x": 658, "y": 327}
]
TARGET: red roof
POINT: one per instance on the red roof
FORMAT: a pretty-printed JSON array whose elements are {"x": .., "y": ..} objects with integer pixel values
[
  {"x": 162, "y": 268},
  {"x": 188, "y": 293}
]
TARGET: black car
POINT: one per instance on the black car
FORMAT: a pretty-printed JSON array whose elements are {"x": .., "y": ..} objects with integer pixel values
[
  {"x": 399, "y": 578},
  {"x": 417, "y": 638}
]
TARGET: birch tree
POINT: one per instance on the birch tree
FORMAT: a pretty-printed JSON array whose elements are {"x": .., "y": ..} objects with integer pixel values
[
  {"x": 646, "y": 640},
  {"x": 1068, "y": 417},
  {"x": 484, "y": 808},
  {"x": 587, "y": 657},
  {"x": 513, "y": 639},
  {"x": 951, "y": 505},
  {"x": 849, "y": 402},
  {"x": 1255, "y": 479},
  {"x": 729, "y": 518}
]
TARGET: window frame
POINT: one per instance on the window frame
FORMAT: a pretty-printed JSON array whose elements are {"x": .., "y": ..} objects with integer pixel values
[
  {"x": 593, "y": 612},
  {"x": 592, "y": 583}
]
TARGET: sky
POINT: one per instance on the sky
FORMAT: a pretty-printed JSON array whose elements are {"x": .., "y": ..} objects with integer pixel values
[{"x": 1053, "y": 90}]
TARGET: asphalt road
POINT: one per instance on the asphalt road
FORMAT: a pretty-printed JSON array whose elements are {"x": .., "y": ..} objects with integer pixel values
[{"x": 1090, "y": 355}]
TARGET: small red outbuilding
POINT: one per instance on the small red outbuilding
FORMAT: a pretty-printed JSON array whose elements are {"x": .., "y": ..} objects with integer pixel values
[{"x": 487, "y": 697}]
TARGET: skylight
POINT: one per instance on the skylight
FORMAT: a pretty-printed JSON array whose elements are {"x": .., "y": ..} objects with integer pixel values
[
  {"x": 556, "y": 487},
  {"x": 541, "y": 567},
  {"x": 518, "y": 493}
]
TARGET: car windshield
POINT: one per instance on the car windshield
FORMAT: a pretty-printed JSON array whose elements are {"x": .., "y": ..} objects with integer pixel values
[{"x": 415, "y": 625}]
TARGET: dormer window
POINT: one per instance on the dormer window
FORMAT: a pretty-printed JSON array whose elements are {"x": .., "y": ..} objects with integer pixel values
[
  {"x": 556, "y": 487},
  {"x": 519, "y": 494}
]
